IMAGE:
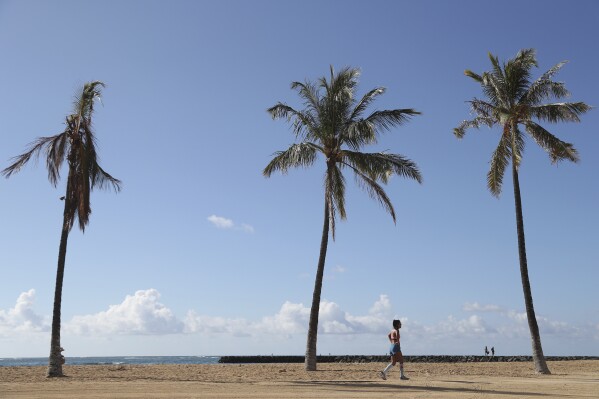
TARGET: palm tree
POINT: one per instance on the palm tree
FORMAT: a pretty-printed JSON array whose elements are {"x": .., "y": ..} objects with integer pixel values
[
  {"x": 331, "y": 124},
  {"x": 76, "y": 145},
  {"x": 515, "y": 102}
]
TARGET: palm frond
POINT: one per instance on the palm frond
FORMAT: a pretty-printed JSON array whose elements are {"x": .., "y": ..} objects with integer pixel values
[
  {"x": 365, "y": 101},
  {"x": 473, "y": 75},
  {"x": 84, "y": 103},
  {"x": 517, "y": 74},
  {"x": 341, "y": 86},
  {"x": 101, "y": 179},
  {"x": 475, "y": 123},
  {"x": 496, "y": 80},
  {"x": 34, "y": 150},
  {"x": 77, "y": 145},
  {"x": 387, "y": 119},
  {"x": 56, "y": 154},
  {"x": 544, "y": 87},
  {"x": 544, "y": 90},
  {"x": 499, "y": 161},
  {"x": 380, "y": 165},
  {"x": 297, "y": 155},
  {"x": 494, "y": 88},
  {"x": 526, "y": 58},
  {"x": 482, "y": 108},
  {"x": 517, "y": 143},
  {"x": 331, "y": 121},
  {"x": 335, "y": 195},
  {"x": 309, "y": 93},
  {"x": 359, "y": 133},
  {"x": 557, "y": 149},
  {"x": 375, "y": 191},
  {"x": 303, "y": 122},
  {"x": 560, "y": 112}
]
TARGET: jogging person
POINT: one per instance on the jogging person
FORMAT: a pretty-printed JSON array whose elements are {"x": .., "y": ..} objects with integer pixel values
[{"x": 395, "y": 352}]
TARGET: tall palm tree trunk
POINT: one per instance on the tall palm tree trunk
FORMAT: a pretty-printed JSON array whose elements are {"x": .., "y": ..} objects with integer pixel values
[
  {"x": 55, "y": 360},
  {"x": 310, "y": 360},
  {"x": 537, "y": 350}
]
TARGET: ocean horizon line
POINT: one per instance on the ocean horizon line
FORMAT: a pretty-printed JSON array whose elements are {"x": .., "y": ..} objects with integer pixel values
[{"x": 225, "y": 359}]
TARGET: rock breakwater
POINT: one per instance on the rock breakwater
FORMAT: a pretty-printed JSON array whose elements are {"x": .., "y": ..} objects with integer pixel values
[{"x": 384, "y": 358}]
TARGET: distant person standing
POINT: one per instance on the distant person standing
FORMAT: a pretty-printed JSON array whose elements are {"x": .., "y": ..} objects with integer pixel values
[
  {"x": 395, "y": 352},
  {"x": 486, "y": 351},
  {"x": 492, "y": 351}
]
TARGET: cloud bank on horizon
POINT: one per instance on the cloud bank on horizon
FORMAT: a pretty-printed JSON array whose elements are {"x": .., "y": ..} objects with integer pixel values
[{"x": 144, "y": 314}]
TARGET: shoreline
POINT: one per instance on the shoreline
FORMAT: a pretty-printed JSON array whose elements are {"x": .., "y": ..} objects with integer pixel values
[{"x": 275, "y": 359}]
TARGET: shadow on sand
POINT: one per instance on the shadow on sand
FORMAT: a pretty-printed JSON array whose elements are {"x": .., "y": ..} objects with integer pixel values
[{"x": 354, "y": 386}]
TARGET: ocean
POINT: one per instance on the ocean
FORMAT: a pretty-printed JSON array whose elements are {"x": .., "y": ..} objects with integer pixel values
[{"x": 43, "y": 361}]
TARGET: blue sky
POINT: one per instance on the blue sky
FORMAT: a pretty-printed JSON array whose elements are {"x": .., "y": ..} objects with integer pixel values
[{"x": 201, "y": 255}]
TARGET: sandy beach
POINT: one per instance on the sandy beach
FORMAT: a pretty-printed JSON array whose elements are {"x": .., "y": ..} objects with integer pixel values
[{"x": 571, "y": 379}]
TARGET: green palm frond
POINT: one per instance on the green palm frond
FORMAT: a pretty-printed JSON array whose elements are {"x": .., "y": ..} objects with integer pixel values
[
  {"x": 557, "y": 149},
  {"x": 375, "y": 191},
  {"x": 512, "y": 100},
  {"x": 560, "y": 112},
  {"x": 499, "y": 161},
  {"x": 365, "y": 101},
  {"x": 380, "y": 165},
  {"x": 332, "y": 121},
  {"x": 517, "y": 143},
  {"x": 482, "y": 108},
  {"x": 473, "y": 75},
  {"x": 476, "y": 123},
  {"x": 544, "y": 88},
  {"x": 517, "y": 74},
  {"x": 309, "y": 92},
  {"x": 341, "y": 86},
  {"x": 359, "y": 133},
  {"x": 494, "y": 83},
  {"x": 386, "y": 119},
  {"x": 335, "y": 195},
  {"x": 297, "y": 155},
  {"x": 303, "y": 121}
]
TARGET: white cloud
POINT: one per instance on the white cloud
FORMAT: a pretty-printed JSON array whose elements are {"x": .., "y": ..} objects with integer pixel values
[
  {"x": 143, "y": 314},
  {"x": 221, "y": 222},
  {"x": 519, "y": 317},
  {"x": 22, "y": 318},
  {"x": 140, "y": 313},
  {"x": 228, "y": 224},
  {"x": 292, "y": 318},
  {"x": 195, "y": 323}
]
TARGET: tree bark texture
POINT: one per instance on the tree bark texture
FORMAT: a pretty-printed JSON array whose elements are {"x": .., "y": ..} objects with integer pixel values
[
  {"x": 537, "y": 350},
  {"x": 310, "y": 360},
  {"x": 56, "y": 360}
]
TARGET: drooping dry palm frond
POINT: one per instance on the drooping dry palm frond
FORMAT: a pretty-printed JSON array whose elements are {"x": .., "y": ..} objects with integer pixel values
[{"x": 75, "y": 146}]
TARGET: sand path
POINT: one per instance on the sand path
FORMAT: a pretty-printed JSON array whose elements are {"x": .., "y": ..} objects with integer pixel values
[{"x": 572, "y": 379}]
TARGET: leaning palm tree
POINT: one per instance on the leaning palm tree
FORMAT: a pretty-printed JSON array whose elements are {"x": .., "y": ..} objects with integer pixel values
[
  {"x": 514, "y": 102},
  {"x": 77, "y": 146},
  {"x": 332, "y": 124}
]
